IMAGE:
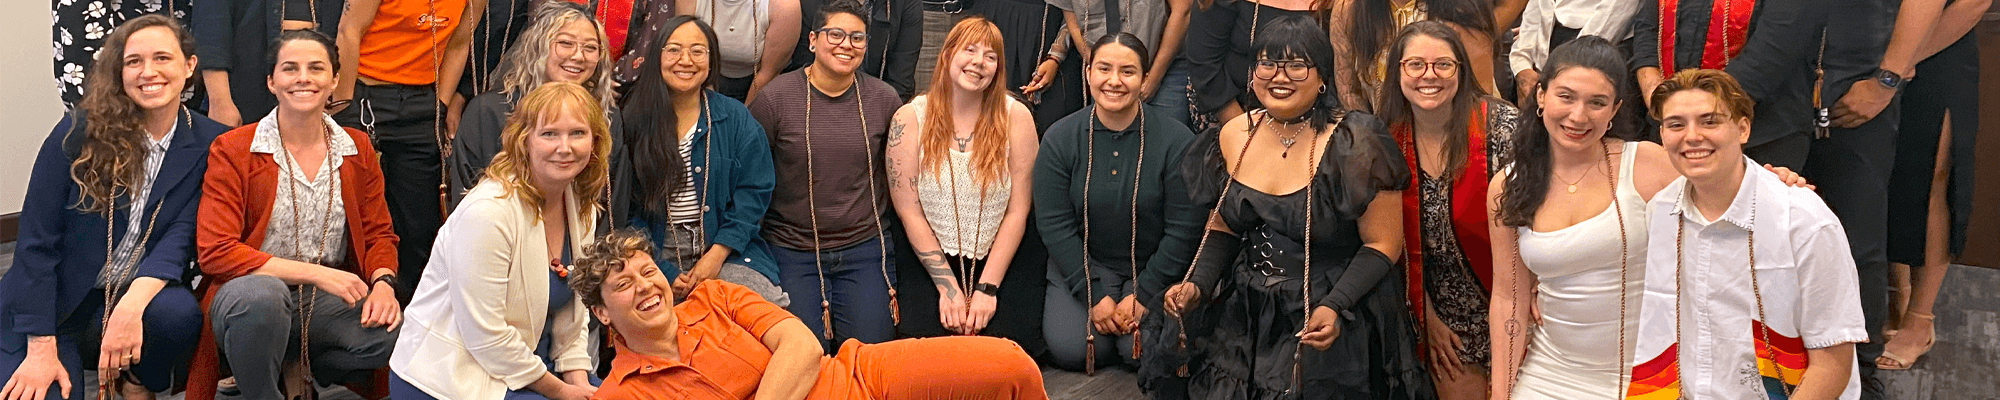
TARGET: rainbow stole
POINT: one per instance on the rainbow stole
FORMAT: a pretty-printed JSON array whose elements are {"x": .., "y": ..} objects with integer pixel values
[{"x": 1658, "y": 378}]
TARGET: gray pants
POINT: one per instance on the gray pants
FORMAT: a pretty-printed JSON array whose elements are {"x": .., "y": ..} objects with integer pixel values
[
  {"x": 1064, "y": 320},
  {"x": 684, "y": 244},
  {"x": 257, "y": 330}
]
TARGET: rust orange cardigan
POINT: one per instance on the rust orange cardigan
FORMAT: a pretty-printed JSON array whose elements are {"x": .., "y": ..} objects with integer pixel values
[{"x": 236, "y": 202}]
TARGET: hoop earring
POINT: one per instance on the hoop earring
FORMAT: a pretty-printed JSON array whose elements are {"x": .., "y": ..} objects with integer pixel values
[{"x": 1538, "y": 111}]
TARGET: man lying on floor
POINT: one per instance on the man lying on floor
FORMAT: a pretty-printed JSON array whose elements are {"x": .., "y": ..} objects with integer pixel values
[{"x": 725, "y": 342}]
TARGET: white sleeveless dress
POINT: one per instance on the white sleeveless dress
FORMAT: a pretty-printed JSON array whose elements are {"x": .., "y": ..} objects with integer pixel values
[{"x": 1571, "y": 354}]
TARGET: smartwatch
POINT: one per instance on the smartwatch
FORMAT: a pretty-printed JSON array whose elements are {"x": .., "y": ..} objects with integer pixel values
[
  {"x": 390, "y": 278},
  {"x": 1887, "y": 78},
  {"x": 987, "y": 288}
]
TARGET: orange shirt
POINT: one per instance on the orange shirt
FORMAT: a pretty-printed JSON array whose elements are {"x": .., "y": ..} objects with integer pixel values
[
  {"x": 398, "y": 47},
  {"x": 720, "y": 327}
]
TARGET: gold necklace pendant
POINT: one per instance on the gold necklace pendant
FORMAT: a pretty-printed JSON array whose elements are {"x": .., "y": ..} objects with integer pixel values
[{"x": 1572, "y": 188}]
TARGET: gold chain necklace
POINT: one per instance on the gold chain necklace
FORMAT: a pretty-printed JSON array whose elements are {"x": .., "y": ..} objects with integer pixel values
[
  {"x": 1750, "y": 244},
  {"x": 1514, "y": 325},
  {"x": 1586, "y": 174},
  {"x": 874, "y": 206}
]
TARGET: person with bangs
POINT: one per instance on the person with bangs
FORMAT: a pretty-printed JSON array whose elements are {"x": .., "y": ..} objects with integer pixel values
[
  {"x": 495, "y": 318},
  {"x": 107, "y": 230},
  {"x": 1104, "y": 275},
  {"x": 961, "y": 188},
  {"x": 1293, "y": 292},
  {"x": 826, "y": 124},
  {"x": 692, "y": 169},
  {"x": 565, "y": 45},
  {"x": 292, "y": 224},
  {"x": 720, "y": 341},
  {"x": 1453, "y": 137},
  {"x": 1219, "y": 53}
]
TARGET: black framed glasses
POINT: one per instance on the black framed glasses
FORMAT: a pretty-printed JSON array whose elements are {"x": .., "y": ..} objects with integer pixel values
[
  {"x": 837, "y": 36},
  {"x": 1444, "y": 67},
  {"x": 1296, "y": 70}
]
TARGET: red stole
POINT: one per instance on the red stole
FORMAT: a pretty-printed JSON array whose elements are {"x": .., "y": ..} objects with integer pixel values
[
  {"x": 1728, "y": 27},
  {"x": 1468, "y": 211}
]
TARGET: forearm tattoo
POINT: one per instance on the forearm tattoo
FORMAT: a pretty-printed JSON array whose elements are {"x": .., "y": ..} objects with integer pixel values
[{"x": 940, "y": 271}]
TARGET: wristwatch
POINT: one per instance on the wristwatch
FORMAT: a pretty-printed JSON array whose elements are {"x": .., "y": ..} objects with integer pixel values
[
  {"x": 390, "y": 278},
  {"x": 987, "y": 288},
  {"x": 1887, "y": 78}
]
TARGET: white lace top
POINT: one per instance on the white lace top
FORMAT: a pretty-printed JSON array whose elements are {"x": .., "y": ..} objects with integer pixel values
[{"x": 964, "y": 217}]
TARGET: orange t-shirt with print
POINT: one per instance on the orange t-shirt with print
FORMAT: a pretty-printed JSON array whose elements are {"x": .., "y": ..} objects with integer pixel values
[{"x": 407, "y": 40}]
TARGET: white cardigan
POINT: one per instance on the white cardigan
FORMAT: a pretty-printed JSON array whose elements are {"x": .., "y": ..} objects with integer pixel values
[{"x": 471, "y": 329}]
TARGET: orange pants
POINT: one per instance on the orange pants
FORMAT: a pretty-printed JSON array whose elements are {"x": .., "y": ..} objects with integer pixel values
[{"x": 953, "y": 368}]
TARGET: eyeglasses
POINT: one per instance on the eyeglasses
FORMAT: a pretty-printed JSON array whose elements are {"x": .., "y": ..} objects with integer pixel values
[
  {"x": 1445, "y": 67},
  {"x": 566, "y": 48},
  {"x": 1296, "y": 70},
  {"x": 673, "y": 52},
  {"x": 837, "y": 36}
]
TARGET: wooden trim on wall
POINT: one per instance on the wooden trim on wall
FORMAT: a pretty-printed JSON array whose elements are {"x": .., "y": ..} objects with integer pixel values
[
  {"x": 9, "y": 224},
  {"x": 1984, "y": 229}
]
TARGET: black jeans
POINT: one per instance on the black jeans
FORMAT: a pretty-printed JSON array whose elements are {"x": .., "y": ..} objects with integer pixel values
[
  {"x": 1852, "y": 169},
  {"x": 403, "y": 123}
]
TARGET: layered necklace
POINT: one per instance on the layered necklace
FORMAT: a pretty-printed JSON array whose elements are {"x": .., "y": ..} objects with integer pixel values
[
  {"x": 874, "y": 206},
  {"x": 1132, "y": 247}
]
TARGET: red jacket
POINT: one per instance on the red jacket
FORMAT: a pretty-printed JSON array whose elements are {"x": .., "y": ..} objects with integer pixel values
[{"x": 236, "y": 202}]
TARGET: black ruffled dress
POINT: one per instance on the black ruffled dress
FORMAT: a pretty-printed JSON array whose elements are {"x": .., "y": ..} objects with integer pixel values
[{"x": 1242, "y": 337}]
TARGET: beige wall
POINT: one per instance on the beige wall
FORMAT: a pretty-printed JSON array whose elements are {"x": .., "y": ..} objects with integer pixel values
[{"x": 28, "y": 101}]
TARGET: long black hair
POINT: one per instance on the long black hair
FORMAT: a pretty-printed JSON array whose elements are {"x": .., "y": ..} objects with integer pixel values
[
  {"x": 1396, "y": 108},
  {"x": 1299, "y": 36},
  {"x": 647, "y": 124},
  {"x": 1371, "y": 27},
  {"x": 1528, "y": 184}
]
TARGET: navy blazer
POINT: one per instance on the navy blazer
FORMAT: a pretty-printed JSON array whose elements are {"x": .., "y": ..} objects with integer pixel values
[{"x": 60, "y": 251}]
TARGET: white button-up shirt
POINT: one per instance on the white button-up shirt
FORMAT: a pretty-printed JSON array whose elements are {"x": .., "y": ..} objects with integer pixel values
[
  {"x": 1804, "y": 274},
  {"x": 1608, "y": 19},
  {"x": 126, "y": 257}
]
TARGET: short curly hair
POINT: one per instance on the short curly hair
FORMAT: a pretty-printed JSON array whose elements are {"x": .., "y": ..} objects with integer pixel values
[{"x": 599, "y": 260}]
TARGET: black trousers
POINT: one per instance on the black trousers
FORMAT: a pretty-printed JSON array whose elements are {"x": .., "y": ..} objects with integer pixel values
[
  {"x": 1852, "y": 168},
  {"x": 1020, "y": 303},
  {"x": 402, "y": 121}
]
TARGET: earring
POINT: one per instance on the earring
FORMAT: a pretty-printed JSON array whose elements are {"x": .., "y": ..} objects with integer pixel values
[
  {"x": 1322, "y": 88},
  {"x": 1538, "y": 111}
]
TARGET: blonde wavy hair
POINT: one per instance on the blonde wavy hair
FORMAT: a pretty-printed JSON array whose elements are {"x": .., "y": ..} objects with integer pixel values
[
  {"x": 544, "y": 104},
  {"x": 524, "y": 66}
]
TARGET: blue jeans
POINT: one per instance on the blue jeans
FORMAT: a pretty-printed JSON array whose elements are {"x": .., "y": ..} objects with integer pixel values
[
  {"x": 1172, "y": 96},
  {"x": 857, "y": 290}
]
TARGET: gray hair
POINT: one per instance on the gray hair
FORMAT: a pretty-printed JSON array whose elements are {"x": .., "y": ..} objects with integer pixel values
[{"x": 524, "y": 66}]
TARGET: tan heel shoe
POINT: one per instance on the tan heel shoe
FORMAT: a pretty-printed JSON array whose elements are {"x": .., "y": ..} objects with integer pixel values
[{"x": 1893, "y": 362}]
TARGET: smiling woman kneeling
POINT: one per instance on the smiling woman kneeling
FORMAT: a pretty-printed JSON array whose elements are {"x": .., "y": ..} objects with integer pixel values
[{"x": 720, "y": 342}]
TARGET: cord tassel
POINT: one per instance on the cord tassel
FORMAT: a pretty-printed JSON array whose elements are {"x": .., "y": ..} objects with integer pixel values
[
  {"x": 1090, "y": 356},
  {"x": 826, "y": 319},
  {"x": 895, "y": 311}
]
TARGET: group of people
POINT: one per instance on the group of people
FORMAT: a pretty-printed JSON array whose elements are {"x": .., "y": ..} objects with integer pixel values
[{"x": 720, "y": 199}]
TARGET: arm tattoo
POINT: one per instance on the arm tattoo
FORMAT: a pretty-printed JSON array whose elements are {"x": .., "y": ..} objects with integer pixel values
[
  {"x": 896, "y": 134},
  {"x": 940, "y": 271},
  {"x": 1513, "y": 327}
]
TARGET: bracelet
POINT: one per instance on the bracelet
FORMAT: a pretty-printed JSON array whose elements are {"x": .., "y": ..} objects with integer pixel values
[
  {"x": 1048, "y": 58},
  {"x": 390, "y": 278}
]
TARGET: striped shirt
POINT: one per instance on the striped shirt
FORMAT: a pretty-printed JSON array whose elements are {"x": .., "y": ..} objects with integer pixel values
[{"x": 684, "y": 207}]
